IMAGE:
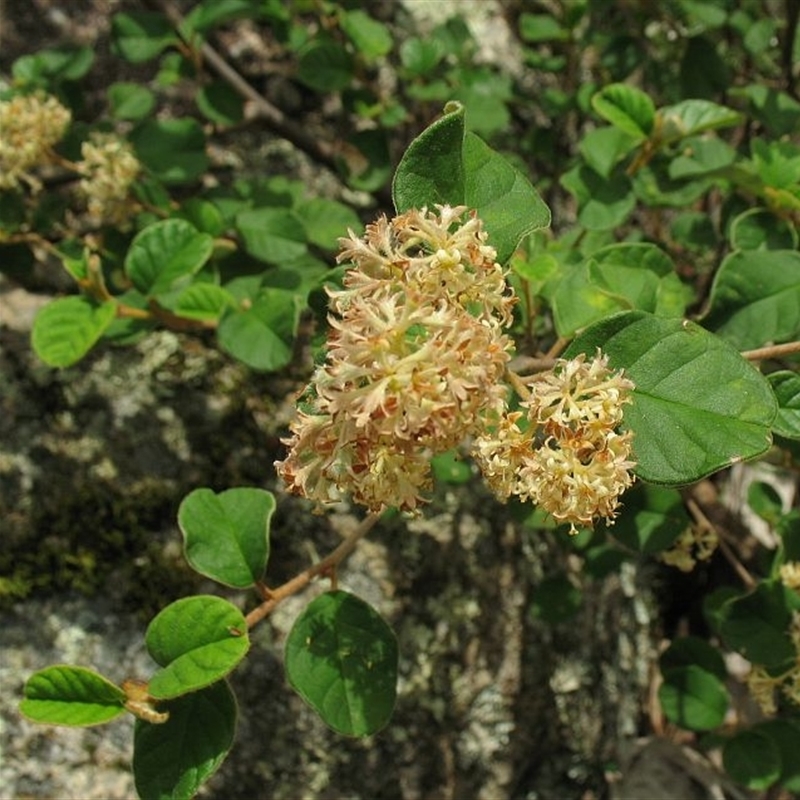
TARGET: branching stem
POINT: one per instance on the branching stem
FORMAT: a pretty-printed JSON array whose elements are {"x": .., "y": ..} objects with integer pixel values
[{"x": 327, "y": 566}]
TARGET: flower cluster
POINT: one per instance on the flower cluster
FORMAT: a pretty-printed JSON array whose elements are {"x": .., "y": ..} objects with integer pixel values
[
  {"x": 30, "y": 125},
  {"x": 414, "y": 361},
  {"x": 696, "y": 543},
  {"x": 109, "y": 168},
  {"x": 763, "y": 686},
  {"x": 564, "y": 453}
]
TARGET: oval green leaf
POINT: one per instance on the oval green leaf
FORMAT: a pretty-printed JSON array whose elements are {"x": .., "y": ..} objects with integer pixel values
[
  {"x": 698, "y": 406},
  {"x": 165, "y": 254},
  {"x": 755, "y": 298},
  {"x": 141, "y": 35},
  {"x": 757, "y": 625},
  {"x": 65, "y": 330},
  {"x": 262, "y": 336},
  {"x": 273, "y": 235},
  {"x": 690, "y": 650},
  {"x": 226, "y": 535},
  {"x": 198, "y": 641},
  {"x": 63, "y": 695},
  {"x": 752, "y": 759},
  {"x": 174, "y": 150},
  {"x": 693, "y": 698},
  {"x": 626, "y": 108},
  {"x": 171, "y": 761},
  {"x": 785, "y": 735},
  {"x": 341, "y": 658},
  {"x": 786, "y": 385},
  {"x": 445, "y": 165}
]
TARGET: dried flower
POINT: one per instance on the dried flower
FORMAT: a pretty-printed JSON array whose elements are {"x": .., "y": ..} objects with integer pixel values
[
  {"x": 30, "y": 125},
  {"x": 696, "y": 543},
  {"x": 109, "y": 168},
  {"x": 414, "y": 360},
  {"x": 761, "y": 686},
  {"x": 569, "y": 459}
]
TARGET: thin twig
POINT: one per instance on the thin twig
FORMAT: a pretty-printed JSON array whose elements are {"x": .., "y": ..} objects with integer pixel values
[
  {"x": 772, "y": 351},
  {"x": 326, "y": 566}
]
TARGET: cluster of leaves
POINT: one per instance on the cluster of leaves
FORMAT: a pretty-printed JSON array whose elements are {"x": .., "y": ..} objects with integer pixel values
[{"x": 685, "y": 195}]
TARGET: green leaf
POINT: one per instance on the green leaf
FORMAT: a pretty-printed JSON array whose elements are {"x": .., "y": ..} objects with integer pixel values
[
  {"x": 698, "y": 405},
  {"x": 450, "y": 468},
  {"x": 786, "y": 385},
  {"x": 420, "y": 56},
  {"x": 785, "y": 736},
  {"x": 757, "y": 625},
  {"x": 324, "y": 66},
  {"x": 166, "y": 254},
  {"x": 130, "y": 101},
  {"x": 200, "y": 301},
  {"x": 760, "y": 229},
  {"x": 341, "y": 658},
  {"x": 578, "y": 301},
  {"x": 226, "y": 535},
  {"x": 262, "y": 336},
  {"x": 541, "y": 28},
  {"x": 689, "y": 650},
  {"x": 693, "y": 698},
  {"x": 654, "y": 518},
  {"x": 53, "y": 65},
  {"x": 370, "y": 37},
  {"x": 602, "y": 149},
  {"x": 220, "y": 103},
  {"x": 626, "y": 108},
  {"x": 174, "y": 150},
  {"x": 141, "y": 35},
  {"x": 325, "y": 221},
  {"x": 755, "y": 298},
  {"x": 690, "y": 117},
  {"x": 776, "y": 109},
  {"x": 198, "y": 641},
  {"x": 444, "y": 165},
  {"x": 752, "y": 759},
  {"x": 272, "y": 234},
  {"x": 62, "y": 695},
  {"x": 68, "y": 327},
  {"x": 208, "y": 14},
  {"x": 173, "y": 760},
  {"x": 701, "y": 156},
  {"x": 603, "y": 203}
]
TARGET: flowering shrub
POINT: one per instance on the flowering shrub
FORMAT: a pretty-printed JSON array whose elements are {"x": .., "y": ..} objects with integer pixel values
[{"x": 592, "y": 374}]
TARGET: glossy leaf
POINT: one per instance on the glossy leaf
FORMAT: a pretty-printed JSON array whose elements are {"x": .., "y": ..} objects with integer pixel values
[
  {"x": 755, "y": 298},
  {"x": 200, "y": 301},
  {"x": 786, "y": 385},
  {"x": 752, "y": 759},
  {"x": 197, "y": 640},
  {"x": 654, "y": 518},
  {"x": 221, "y": 104},
  {"x": 62, "y": 695},
  {"x": 262, "y": 336},
  {"x": 444, "y": 164},
  {"x": 341, "y": 658},
  {"x": 698, "y": 405},
  {"x": 173, "y": 760},
  {"x": 370, "y": 37},
  {"x": 165, "y": 254},
  {"x": 626, "y": 108},
  {"x": 693, "y": 698},
  {"x": 757, "y": 625},
  {"x": 68, "y": 327},
  {"x": 226, "y": 535}
]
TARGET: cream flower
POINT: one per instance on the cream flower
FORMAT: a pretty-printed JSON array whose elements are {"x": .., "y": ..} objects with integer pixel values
[
  {"x": 30, "y": 125},
  {"x": 415, "y": 360},
  {"x": 109, "y": 168},
  {"x": 569, "y": 460}
]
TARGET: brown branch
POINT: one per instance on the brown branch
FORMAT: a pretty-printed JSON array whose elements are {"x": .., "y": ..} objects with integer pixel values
[
  {"x": 772, "y": 351},
  {"x": 328, "y": 565}
]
